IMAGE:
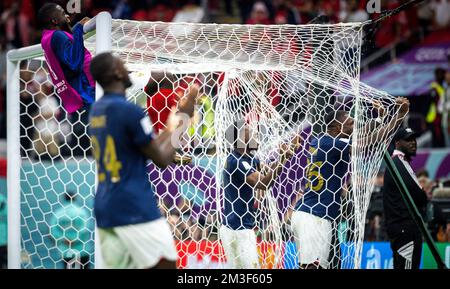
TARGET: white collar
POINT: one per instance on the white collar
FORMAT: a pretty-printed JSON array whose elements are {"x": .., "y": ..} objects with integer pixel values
[{"x": 398, "y": 153}]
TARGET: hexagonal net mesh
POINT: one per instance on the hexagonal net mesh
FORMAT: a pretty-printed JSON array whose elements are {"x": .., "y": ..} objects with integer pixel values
[
  {"x": 57, "y": 176},
  {"x": 285, "y": 145}
]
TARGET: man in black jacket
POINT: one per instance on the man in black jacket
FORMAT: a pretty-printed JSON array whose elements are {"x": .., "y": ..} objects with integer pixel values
[{"x": 404, "y": 235}]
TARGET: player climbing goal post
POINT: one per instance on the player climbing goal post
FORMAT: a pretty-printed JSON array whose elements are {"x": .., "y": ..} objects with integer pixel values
[{"x": 265, "y": 145}]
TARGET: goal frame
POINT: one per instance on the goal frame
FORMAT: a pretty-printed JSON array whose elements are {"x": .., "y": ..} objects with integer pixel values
[{"x": 101, "y": 24}]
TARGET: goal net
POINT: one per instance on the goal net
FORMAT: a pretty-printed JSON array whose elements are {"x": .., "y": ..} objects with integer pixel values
[{"x": 267, "y": 93}]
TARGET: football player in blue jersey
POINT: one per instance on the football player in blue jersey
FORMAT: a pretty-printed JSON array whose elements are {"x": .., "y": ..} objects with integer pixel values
[
  {"x": 326, "y": 174},
  {"x": 133, "y": 234},
  {"x": 242, "y": 177}
]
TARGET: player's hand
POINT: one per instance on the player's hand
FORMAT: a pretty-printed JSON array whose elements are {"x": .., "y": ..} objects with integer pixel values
[
  {"x": 403, "y": 103},
  {"x": 181, "y": 160},
  {"x": 84, "y": 20},
  {"x": 173, "y": 121},
  {"x": 296, "y": 143},
  {"x": 286, "y": 151},
  {"x": 187, "y": 103},
  {"x": 379, "y": 107}
]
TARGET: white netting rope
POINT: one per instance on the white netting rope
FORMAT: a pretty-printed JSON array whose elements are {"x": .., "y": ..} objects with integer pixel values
[
  {"x": 281, "y": 81},
  {"x": 57, "y": 177}
]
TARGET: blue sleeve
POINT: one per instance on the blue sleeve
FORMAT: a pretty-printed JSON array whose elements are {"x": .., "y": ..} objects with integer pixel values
[
  {"x": 70, "y": 53},
  {"x": 341, "y": 145},
  {"x": 139, "y": 125},
  {"x": 245, "y": 167}
]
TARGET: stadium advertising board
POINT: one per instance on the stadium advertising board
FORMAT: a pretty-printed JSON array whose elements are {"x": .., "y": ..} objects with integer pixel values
[{"x": 375, "y": 255}]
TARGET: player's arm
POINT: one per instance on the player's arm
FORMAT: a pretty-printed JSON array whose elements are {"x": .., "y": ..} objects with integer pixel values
[
  {"x": 161, "y": 150},
  {"x": 290, "y": 210},
  {"x": 70, "y": 53},
  {"x": 262, "y": 180},
  {"x": 377, "y": 134}
]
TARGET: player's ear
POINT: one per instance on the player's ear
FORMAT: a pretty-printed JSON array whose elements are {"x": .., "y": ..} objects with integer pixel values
[{"x": 117, "y": 72}]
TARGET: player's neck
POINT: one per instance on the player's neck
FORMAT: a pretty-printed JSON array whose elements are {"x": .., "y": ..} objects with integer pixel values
[
  {"x": 406, "y": 156},
  {"x": 241, "y": 151},
  {"x": 333, "y": 133},
  {"x": 114, "y": 89},
  {"x": 53, "y": 27}
]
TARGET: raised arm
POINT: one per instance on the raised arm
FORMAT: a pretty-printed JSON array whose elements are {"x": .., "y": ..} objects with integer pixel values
[
  {"x": 263, "y": 179},
  {"x": 377, "y": 134},
  {"x": 162, "y": 149},
  {"x": 70, "y": 53}
]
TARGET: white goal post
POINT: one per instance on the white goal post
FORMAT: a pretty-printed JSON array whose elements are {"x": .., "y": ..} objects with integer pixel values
[{"x": 102, "y": 24}]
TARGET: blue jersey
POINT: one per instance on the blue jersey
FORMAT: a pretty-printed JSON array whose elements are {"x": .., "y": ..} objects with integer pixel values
[
  {"x": 124, "y": 196},
  {"x": 239, "y": 211},
  {"x": 326, "y": 173},
  {"x": 71, "y": 58}
]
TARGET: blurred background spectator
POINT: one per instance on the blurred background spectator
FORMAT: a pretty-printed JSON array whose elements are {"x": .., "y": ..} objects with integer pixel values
[
  {"x": 46, "y": 136},
  {"x": 374, "y": 221},
  {"x": 353, "y": 12},
  {"x": 439, "y": 214},
  {"x": 69, "y": 229},
  {"x": 259, "y": 14},
  {"x": 441, "y": 14}
]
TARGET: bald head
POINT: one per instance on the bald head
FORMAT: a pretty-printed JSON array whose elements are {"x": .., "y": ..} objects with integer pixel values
[{"x": 109, "y": 71}]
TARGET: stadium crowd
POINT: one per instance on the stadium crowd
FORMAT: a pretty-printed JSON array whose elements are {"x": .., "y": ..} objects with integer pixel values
[{"x": 18, "y": 27}]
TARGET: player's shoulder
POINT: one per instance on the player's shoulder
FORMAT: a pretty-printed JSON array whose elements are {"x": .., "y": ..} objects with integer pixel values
[
  {"x": 343, "y": 141},
  {"x": 327, "y": 143},
  {"x": 59, "y": 37},
  {"x": 334, "y": 141},
  {"x": 232, "y": 157},
  {"x": 59, "y": 33},
  {"x": 236, "y": 159},
  {"x": 123, "y": 106},
  {"x": 323, "y": 141}
]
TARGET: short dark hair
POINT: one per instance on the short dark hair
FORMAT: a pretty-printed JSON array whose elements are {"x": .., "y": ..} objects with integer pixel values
[
  {"x": 101, "y": 68},
  {"x": 46, "y": 14},
  {"x": 158, "y": 80},
  {"x": 422, "y": 173},
  {"x": 335, "y": 117}
]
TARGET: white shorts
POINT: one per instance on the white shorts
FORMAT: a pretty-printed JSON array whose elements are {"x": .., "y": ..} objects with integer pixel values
[
  {"x": 240, "y": 248},
  {"x": 312, "y": 237},
  {"x": 137, "y": 246}
]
